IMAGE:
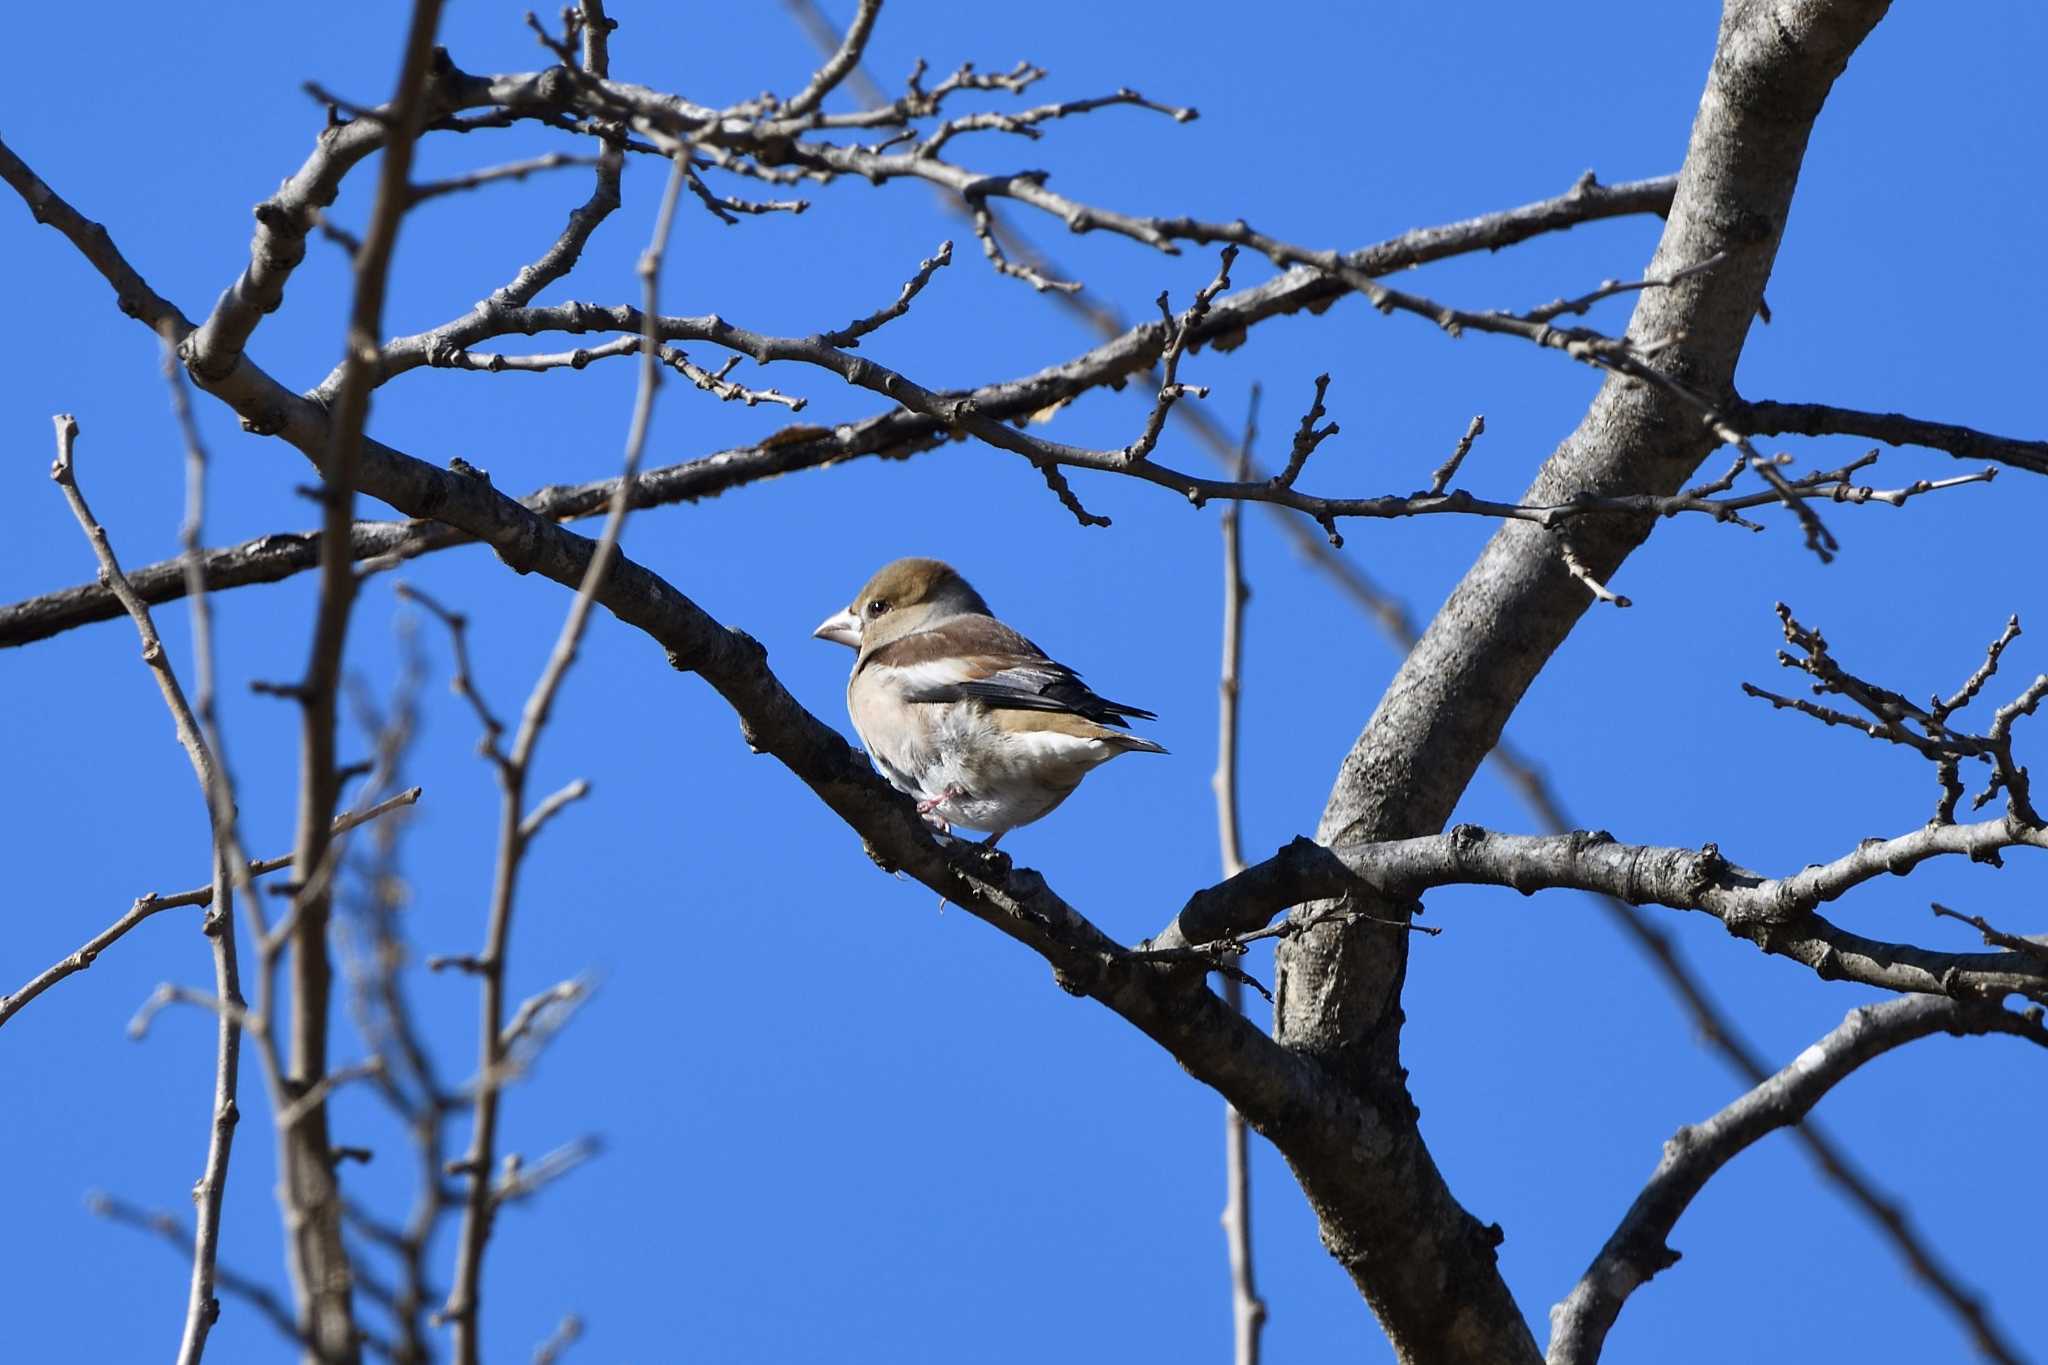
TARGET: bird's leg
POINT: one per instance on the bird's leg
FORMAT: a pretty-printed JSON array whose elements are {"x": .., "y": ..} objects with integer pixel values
[
  {"x": 929, "y": 807},
  {"x": 954, "y": 792}
]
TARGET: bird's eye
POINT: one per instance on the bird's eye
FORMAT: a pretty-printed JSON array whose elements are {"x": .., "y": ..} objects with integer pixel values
[{"x": 877, "y": 606}]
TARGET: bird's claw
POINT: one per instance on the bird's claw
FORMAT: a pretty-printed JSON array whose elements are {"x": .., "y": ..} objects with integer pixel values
[{"x": 929, "y": 808}]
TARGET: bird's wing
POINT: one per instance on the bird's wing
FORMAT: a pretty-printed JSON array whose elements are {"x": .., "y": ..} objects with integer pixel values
[{"x": 978, "y": 658}]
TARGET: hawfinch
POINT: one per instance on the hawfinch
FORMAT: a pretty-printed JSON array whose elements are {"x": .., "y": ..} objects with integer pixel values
[{"x": 963, "y": 713}]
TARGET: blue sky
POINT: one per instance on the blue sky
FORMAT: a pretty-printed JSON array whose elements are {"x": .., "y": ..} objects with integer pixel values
[{"x": 840, "y": 1123}]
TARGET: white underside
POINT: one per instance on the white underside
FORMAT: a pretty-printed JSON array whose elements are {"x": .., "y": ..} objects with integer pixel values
[{"x": 1010, "y": 777}]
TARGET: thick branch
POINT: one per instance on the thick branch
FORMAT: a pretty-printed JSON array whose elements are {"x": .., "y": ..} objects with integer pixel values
[
  {"x": 1777, "y": 914},
  {"x": 311, "y": 1198},
  {"x": 1339, "y": 986}
]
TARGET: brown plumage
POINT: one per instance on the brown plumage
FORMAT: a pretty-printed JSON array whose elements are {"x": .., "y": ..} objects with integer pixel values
[{"x": 964, "y": 713}]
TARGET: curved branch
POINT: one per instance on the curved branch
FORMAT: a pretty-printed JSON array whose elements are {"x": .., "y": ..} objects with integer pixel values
[{"x": 1637, "y": 1250}]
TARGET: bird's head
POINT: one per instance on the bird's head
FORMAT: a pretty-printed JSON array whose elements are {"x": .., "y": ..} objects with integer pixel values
[{"x": 904, "y": 597}]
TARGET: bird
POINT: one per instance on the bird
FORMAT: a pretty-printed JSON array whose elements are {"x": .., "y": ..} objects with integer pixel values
[{"x": 960, "y": 711}]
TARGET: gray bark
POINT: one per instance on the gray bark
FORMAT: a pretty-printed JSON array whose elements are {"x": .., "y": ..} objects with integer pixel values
[{"x": 1427, "y": 1265}]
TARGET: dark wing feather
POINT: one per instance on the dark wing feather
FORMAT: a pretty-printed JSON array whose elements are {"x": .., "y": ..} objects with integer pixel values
[{"x": 979, "y": 658}]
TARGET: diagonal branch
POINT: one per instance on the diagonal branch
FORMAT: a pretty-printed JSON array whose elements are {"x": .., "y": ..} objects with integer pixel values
[
  {"x": 1218, "y": 1045},
  {"x": 167, "y": 1228},
  {"x": 1717, "y": 1027},
  {"x": 267, "y": 407},
  {"x": 153, "y": 904},
  {"x": 839, "y": 64},
  {"x": 1637, "y": 1249}
]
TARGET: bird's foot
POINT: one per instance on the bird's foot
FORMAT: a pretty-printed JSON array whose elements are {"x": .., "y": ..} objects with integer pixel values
[{"x": 929, "y": 808}]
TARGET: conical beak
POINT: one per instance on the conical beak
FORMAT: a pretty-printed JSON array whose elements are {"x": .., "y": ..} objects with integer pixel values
[{"x": 842, "y": 628}]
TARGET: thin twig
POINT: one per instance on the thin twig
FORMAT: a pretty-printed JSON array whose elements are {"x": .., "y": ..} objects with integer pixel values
[
  {"x": 153, "y": 904},
  {"x": 1248, "y": 1310},
  {"x": 1609, "y": 288},
  {"x": 1307, "y": 437},
  {"x": 202, "y": 1309},
  {"x": 163, "y": 1226},
  {"x": 849, "y": 336},
  {"x": 839, "y": 63},
  {"x": 408, "y": 1082},
  {"x": 1171, "y": 390},
  {"x": 565, "y": 1335},
  {"x": 1586, "y": 576},
  {"x": 1998, "y": 938},
  {"x": 511, "y": 170},
  {"x": 516, "y": 828},
  {"x": 1448, "y": 470}
]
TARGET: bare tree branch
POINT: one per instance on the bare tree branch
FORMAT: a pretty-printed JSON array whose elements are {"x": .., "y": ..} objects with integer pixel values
[
  {"x": 1818, "y": 419},
  {"x": 839, "y": 64},
  {"x": 565, "y": 1335},
  {"x": 1637, "y": 1249},
  {"x": 960, "y": 412},
  {"x": 409, "y": 1081},
  {"x": 1324, "y": 1085},
  {"x": 1892, "y": 717},
  {"x": 202, "y": 1308},
  {"x": 268, "y": 1306},
  {"x": 516, "y": 829},
  {"x": 268, "y": 407},
  {"x": 318, "y": 1257},
  {"x": 1778, "y": 915},
  {"x": 849, "y": 336},
  {"x": 1717, "y": 1028},
  {"x": 1339, "y": 985},
  {"x": 1248, "y": 1310},
  {"x": 2030, "y": 947},
  {"x": 153, "y": 904}
]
